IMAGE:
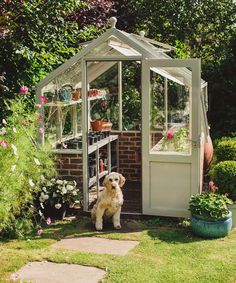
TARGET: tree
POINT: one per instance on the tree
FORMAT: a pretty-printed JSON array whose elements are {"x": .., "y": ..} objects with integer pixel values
[
  {"x": 36, "y": 36},
  {"x": 202, "y": 28}
]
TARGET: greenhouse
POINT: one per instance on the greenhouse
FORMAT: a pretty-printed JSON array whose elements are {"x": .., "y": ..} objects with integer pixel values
[{"x": 124, "y": 104}]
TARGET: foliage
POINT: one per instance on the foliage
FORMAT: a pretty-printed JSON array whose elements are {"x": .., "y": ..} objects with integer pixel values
[
  {"x": 226, "y": 149},
  {"x": 131, "y": 103},
  {"x": 100, "y": 10},
  {"x": 209, "y": 206},
  {"x": 35, "y": 38},
  {"x": 23, "y": 163},
  {"x": 56, "y": 192},
  {"x": 224, "y": 176},
  {"x": 203, "y": 29},
  {"x": 177, "y": 138}
]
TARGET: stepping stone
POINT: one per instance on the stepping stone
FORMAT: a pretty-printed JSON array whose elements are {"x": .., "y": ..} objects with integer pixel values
[
  {"x": 48, "y": 272},
  {"x": 96, "y": 245}
]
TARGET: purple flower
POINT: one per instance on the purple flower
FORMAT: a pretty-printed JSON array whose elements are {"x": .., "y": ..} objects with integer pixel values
[{"x": 24, "y": 90}]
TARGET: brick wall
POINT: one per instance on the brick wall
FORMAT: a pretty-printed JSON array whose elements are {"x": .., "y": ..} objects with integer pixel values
[
  {"x": 130, "y": 155},
  {"x": 70, "y": 167}
]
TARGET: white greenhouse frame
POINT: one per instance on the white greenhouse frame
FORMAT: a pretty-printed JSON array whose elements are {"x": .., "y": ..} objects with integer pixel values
[{"x": 152, "y": 56}]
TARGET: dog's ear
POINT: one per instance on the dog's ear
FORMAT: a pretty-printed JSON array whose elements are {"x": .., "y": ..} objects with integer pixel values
[
  {"x": 105, "y": 181},
  {"x": 122, "y": 180}
]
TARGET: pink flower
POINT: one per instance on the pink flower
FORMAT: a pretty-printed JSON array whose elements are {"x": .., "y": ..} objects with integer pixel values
[
  {"x": 40, "y": 117},
  {"x": 169, "y": 136},
  {"x": 41, "y": 130},
  {"x": 24, "y": 122},
  {"x": 212, "y": 187},
  {"x": 14, "y": 276},
  {"x": 24, "y": 89},
  {"x": 64, "y": 145},
  {"x": 48, "y": 221},
  {"x": 40, "y": 232},
  {"x": 4, "y": 144},
  {"x": 43, "y": 98},
  {"x": 38, "y": 105}
]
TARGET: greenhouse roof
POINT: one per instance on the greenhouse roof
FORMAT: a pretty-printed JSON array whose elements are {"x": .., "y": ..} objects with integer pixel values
[{"x": 117, "y": 45}]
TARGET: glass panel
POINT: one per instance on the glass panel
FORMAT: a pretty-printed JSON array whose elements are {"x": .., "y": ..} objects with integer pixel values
[
  {"x": 131, "y": 103},
  {"x": 169, "y": 114},
  {"x": 103, "y": 96}
]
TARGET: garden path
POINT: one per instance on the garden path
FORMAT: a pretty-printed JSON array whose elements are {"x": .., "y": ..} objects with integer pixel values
[{"x": 41, "y": 272}]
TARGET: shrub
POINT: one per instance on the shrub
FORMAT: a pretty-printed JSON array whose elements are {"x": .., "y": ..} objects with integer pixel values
[
  {"x": 23, "y": 163},
  {"x": 224, "y": 175},
  {"x": 226, "y": 149},
  {"x": 209, "y": 206}
]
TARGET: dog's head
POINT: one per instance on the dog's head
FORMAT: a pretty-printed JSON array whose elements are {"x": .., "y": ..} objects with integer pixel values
[{"x": 114, "y": 180}]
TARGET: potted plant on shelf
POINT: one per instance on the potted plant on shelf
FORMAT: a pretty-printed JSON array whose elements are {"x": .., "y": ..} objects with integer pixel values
[
  {"x": 57, "y": 196},
  {"x": 210, "y": 216}
]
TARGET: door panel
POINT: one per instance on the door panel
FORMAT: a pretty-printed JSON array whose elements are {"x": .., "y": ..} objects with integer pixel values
[{"x": 171, "y": 130}]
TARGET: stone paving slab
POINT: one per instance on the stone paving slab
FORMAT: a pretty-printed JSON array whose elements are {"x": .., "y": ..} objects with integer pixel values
[
  {"x": 96, "y": 245},
  {"x": 48, "y": 272}
]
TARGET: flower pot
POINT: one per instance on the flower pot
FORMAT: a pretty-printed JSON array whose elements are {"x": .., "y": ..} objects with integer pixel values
[
  {"x": 211, "y": 229},
  {"x": 54, "y": 213},
  {"x": 232, "y": 208},
  {"x": 99, "y": 125}
]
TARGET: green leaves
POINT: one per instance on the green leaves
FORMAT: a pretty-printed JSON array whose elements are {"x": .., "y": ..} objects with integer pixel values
[{"x": 209, "y": 206}]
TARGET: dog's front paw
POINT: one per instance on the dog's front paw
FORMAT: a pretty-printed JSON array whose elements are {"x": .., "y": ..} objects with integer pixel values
[
  {"x": 117, "y": 226},
  {"x": 98, "y": 227}
]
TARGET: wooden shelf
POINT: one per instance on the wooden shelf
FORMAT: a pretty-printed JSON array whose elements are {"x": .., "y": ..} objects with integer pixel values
[
  {"x": 72, "y": 102},
  {"x": 93, "y": 180},
  {"x": 99, "y": 144}
]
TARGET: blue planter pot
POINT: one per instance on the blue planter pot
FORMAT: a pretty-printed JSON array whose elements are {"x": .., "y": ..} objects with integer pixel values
[{"x": 211, "y": 229}]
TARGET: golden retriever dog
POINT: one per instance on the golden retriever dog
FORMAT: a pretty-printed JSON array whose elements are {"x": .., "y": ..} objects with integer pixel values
[{"x": 109, "y": 201}]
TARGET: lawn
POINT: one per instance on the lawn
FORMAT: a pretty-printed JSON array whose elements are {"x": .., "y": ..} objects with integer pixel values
[{"x": 168, "y": 252}]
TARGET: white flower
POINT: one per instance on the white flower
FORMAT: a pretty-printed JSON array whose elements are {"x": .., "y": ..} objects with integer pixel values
[
  {"x": 31, "y": 183},
  {"x": 4, "y": 121},
  {"x": 45, "y": 189},
  {"x": 14, "y": 130},
  {"x": 69, "y": 187},
  {"x": 57, "y": 205},
  {"x": 3, "y": 131},
  {"x": 40, "y": 213},
  {"x": 59, "y": 182},
  {"x": 63, "y": 191},
  {"x": 14, "y": 148},
  {"x": 46, "y": 197},
  {"x": 41, "y": 199},
  {"x": 74, "y": 193},
  {"x": 41, "y": 205},
  {"x": 42, "y": 177},
  {"x": 13, "y": 168},
  {"x": 36, "y": 161}
]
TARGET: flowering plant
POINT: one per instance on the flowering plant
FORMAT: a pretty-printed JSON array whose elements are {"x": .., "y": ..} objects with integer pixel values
[
  {"x": 56, "y": 192},
  {"x": 177, "y": 139}
]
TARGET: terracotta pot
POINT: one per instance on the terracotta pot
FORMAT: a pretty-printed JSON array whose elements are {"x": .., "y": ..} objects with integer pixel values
[
  {"x": 99, "y": 125},
  {"x": 208, "y": 154}
]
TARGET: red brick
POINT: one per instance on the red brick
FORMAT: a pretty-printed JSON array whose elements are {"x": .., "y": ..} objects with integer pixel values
[
  {"x": 71, "y": 166},
  {"x": 63, "y": 172},
  {"x": 75, "y": 161}
]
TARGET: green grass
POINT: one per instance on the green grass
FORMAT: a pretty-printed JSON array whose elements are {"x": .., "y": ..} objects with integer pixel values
[{"x": 166, "y": 253}]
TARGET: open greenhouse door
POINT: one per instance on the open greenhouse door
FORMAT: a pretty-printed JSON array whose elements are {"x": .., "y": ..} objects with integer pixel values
[{"x": 171, "y": 133}]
